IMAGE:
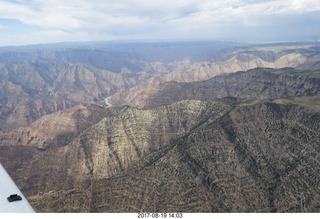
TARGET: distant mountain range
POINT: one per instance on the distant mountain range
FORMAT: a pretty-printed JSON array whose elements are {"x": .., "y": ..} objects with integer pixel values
[
  {"x": 193, "y": 127},
  {"x": 35, "y": 81}
]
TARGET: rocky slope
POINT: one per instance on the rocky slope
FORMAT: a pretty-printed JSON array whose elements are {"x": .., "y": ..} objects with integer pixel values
[
  {"x": 253, "y": 153},
  {"x": 254, "y": 84},
  {"x": 239, "y": 60},
  {"x": 29, "y": 91},
  {"x": 54, "y": 130},
  {"x": 190, "y": 156},
  {"x": 38, "y": 80},
  {"x": 241, "y": 142},
  {"x": 228, "y": 165}
]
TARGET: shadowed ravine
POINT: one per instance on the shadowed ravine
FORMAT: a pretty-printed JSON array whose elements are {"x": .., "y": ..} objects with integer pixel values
[{"x": 171, "y": 136}]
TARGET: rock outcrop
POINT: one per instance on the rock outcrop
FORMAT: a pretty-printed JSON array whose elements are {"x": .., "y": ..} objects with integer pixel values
[
  {"x": 35, "y": 81},
  {"x": 190, "y": 156},
  {"x": 255, "y": 84},
  {"x": 239, "y": 142}
]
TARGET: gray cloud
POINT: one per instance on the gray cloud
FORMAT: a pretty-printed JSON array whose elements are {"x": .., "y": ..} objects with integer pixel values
[{"x": 126, "y": 19}]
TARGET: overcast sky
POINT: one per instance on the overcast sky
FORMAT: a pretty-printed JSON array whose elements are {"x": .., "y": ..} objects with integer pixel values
[{"x": 46, "y": 21}]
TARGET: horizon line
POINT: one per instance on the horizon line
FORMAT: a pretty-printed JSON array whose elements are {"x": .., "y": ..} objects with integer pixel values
[{"x": 128, "y": 41}]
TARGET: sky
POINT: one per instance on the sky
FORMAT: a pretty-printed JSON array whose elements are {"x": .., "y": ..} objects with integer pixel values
[{"x": 48, "y": 21}]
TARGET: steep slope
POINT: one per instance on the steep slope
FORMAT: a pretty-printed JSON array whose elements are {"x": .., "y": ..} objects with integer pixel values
[
  {"x": 38, "y": 80},
  {"x": 241, "y": 61},
  {"x": 56, "y": 129},
  {"x": 186, "y": 71},
  {"x": 228, "y": 158},
  {"x": 112, "y": 146},
  {"x": 254, "y": 150},
  {"x": 228, "y": 165},
  {"x": 254, "y": 84},
  {"x": 18, "y": 107},
  {"x": 29, "y": 91}
]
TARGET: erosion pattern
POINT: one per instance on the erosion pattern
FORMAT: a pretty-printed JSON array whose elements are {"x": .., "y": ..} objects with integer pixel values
[
  {"x": 190, "y": 156},
  {"x": 39, "y": 80},
  {"x": 184, "y": 133},
  {"x": 255, "y": 84},
  {"x": 29, "y": 91},
  {"x": 239, "y": 153}
]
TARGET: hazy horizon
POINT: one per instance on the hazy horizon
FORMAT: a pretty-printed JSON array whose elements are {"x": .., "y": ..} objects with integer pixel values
[{"x": 41, "y": 22}]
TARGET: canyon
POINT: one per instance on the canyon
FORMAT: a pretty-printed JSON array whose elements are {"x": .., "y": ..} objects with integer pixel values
[{"x": 186, "y": 127}]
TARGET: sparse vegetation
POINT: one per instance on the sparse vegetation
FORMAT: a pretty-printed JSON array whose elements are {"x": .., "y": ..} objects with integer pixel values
[
  {"x": 311, "y": 102},
  {"x": 297, "y": 72},
  {"x": 246, "y": 141}
]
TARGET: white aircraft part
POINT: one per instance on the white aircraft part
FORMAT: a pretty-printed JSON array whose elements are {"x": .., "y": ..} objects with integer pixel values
[{"x": 7, "y": 188}]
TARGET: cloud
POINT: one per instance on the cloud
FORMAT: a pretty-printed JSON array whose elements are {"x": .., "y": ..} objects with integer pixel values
[
  {"x": 38, "y": 15},
  {"x": 81, "y": 14},
  {"x": 98, "y": 19}
]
